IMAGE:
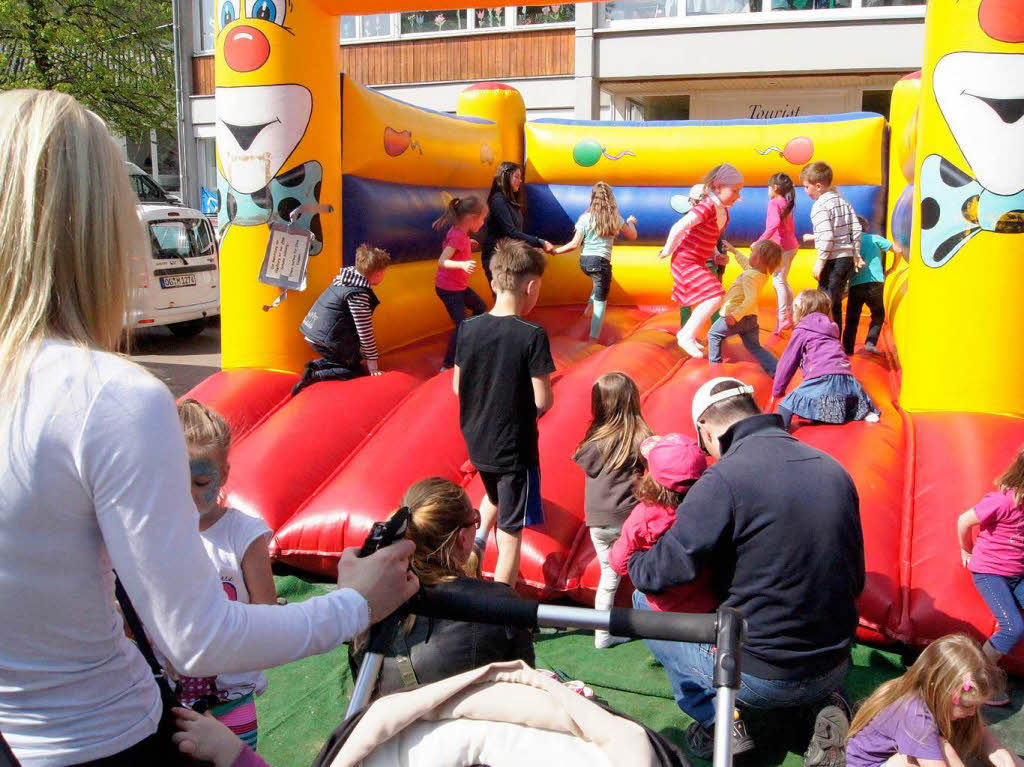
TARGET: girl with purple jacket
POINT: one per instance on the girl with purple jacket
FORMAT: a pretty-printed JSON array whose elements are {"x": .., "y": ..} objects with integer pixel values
[{"x": 829, "y": 393}]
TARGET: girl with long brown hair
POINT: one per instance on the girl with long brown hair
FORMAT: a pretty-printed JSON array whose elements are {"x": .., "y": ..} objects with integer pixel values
[
  {"x": 596, "y": 229},
  {"x": 442, "y": 525},
  {"x": 610, "y": 456},
  {"x": 507, "y": 205},
  {"x": 931, "y": 716}
]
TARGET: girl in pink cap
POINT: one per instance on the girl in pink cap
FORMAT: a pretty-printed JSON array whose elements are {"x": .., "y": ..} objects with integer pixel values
[
  {"x": 674, "y": 463},
  {"x": 691, "y": 243}
]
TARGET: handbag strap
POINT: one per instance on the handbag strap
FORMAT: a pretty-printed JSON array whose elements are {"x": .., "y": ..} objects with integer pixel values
[{"x": 141, "y": 640}]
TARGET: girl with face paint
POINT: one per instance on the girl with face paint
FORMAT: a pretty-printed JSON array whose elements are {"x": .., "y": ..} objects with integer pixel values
[{"x": 237, "y": 545}]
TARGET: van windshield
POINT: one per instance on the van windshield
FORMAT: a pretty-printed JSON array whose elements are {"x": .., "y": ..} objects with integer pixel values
[{"x": 185, "y": 238}]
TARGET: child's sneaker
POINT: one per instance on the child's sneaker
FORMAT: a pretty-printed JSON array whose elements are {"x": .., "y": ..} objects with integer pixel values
[
  {"x": 872, "y": 418},
  {"x": 870, "y": 348}
]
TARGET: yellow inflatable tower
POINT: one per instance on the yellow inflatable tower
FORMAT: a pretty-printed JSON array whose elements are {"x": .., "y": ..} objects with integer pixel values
[{"x": 965, "y": 311}]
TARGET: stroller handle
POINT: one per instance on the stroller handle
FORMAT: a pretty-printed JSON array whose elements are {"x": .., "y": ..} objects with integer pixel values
[{"x": 619, "y": 621}]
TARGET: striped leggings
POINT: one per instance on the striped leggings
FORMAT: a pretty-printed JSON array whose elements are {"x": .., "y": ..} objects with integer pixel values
[{"x": 240, "y": 717}]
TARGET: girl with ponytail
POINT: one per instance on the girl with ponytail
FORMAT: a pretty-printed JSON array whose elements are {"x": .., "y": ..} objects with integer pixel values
[{"x": 462, "y": 215}]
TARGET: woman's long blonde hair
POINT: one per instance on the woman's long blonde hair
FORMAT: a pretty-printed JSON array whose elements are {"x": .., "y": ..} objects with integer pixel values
[
  {"x": 945, "y": 667},
  {"x": 604, "y": 213},
  {"x": 440, "y": 510},
  {"x": 618, "y": 426},
  {"x": 67, "y": 225}
]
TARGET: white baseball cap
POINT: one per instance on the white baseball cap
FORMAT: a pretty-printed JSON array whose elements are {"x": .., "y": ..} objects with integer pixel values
[{"x": 703, "y": 398}]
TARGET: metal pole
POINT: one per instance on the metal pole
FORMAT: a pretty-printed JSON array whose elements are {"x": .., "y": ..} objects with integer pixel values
[
  {"x": 730, "y": 633},
  {"x": 725, "y": 705},
  {"x": 362, "y": 690}
]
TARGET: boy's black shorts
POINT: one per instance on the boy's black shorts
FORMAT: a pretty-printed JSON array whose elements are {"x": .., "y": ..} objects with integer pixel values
[{"x": 517, "y": 496}]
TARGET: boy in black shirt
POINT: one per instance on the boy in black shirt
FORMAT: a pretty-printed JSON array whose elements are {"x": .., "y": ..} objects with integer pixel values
[{"x": 502, "y": 375}]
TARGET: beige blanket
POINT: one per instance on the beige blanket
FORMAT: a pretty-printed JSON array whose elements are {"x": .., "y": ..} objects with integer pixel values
[{"x": 509, "y": 691}]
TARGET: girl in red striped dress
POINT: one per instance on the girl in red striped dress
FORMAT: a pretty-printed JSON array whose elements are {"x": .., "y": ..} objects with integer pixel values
[{"x": 691, "y": 243}]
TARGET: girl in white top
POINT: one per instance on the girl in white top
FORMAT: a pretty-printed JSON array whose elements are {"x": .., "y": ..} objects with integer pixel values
[
  {"x": 94, "y": 476},
  {"x": 237, "y": 545}
]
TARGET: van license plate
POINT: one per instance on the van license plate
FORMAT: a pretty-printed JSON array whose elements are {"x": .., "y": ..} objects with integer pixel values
[{"x": 178, "y": 281}]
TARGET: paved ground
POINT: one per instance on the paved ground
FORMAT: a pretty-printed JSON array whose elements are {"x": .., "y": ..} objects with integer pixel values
[{"x": 180, "y": 363}]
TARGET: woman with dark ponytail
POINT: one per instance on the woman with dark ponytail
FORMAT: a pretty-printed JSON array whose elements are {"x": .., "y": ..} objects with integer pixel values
[
  {"x": 778, "y": 227},
  {"x": 505, "y": 201}
]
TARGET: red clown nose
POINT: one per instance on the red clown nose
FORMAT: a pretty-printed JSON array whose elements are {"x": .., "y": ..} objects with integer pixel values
[
  {"x": 1002, "y": 20},
  {"x": 246, "y": 49}
]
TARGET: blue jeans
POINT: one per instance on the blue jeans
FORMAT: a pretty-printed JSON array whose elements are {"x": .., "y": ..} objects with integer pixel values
[
  {"x": 1004, "y": 596},
  {"x": 690, "y": 668},
  {"x": 747, "y": 329}
]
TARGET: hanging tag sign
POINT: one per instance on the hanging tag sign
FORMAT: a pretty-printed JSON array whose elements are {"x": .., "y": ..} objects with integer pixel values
[{"x": 284, "y": 264}]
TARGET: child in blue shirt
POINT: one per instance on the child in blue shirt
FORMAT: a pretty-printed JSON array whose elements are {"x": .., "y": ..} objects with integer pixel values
[{"x": 866, "y": 287}]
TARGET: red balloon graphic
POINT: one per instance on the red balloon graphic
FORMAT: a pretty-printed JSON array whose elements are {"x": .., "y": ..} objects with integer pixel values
[{"x": 797, "y": 151}]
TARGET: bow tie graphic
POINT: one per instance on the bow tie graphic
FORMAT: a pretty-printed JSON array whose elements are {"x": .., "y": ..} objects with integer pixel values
[
  {"x": 275, "y": 202},
  {"x": 955, "y": 207}
]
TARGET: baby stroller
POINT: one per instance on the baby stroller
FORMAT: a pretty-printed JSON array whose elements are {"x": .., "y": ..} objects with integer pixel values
[{"x": 509, "y": 714}]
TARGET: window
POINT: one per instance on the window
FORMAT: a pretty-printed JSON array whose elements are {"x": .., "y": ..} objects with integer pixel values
[
  {"x": 489, "y": 18},
  {"x": 419, "y": 22},
  {"x": 170, "y": 239},
  {"x": 883, "y": 3},
  {"x": 361, "y": 27},
  {"x": 807, "y": 5},
  {"x": 639, "y": 9},
  {"x": 558, "y": 13},
  {"x": 207, "y": 26},
  {"x": 147, "y": 190},
  {"x": 711, "y": 7},
  {"x": 877, "y": 101}
]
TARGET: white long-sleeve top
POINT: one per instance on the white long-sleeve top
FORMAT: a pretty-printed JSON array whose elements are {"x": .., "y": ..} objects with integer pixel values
[{"x": 94, "y": 475}]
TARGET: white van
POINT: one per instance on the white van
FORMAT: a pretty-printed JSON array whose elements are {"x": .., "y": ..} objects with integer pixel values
[{"x": 176, "y": 281}]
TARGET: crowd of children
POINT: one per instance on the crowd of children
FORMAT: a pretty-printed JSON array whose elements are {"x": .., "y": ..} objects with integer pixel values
[{"x": 634, "y": 480}]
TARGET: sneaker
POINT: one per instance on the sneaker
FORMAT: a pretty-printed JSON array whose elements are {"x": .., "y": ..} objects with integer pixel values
[
  {"x": 302, "y": 383},
  {"x": 872, "y": 417},
  {"x": 870, "y": 348},
  {"x": 701, "y": 740},
  {"x": 828, "y": 741},
  {"x": 603, "y": 640}
]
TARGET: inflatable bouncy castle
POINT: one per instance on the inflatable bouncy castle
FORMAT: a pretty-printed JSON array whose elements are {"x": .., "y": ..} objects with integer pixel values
[{"x": 305, "y": 148}]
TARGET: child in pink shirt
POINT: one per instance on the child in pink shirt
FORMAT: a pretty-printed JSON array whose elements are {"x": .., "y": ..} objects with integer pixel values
[
  {"x": 996, "y": 559},
  {"x": 463, "y": 215},
  {"x": 778, "y": 227},
  {"x": 674, "y": 463}
]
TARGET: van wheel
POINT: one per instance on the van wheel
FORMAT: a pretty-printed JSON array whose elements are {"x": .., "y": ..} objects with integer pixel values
[{"x": 188, "y": 328}]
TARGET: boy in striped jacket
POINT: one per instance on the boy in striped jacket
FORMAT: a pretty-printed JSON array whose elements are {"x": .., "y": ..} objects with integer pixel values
[
  {"x": 339, "y": 326},
  {"x": 836, "y": 237}
]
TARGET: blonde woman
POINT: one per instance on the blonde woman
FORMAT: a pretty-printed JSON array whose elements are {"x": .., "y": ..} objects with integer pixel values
[
  {"x": 596, "y": 228},
  {"x": 94, "y": 477}
]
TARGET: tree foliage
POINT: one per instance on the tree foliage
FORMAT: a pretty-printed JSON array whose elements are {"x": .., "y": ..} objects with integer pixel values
[{"x": 115, "y": 56}]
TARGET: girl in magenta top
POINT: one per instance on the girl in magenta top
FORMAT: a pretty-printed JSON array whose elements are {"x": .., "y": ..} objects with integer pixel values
[
  {"x": 996, "y": 559},
  {"x": 778, "y": 227},
  {"x": 691, "y": 244},
  {"x": 463, "y": 215}
]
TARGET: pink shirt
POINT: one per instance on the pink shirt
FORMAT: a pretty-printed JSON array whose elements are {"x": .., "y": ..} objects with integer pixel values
[
  {"x": 999, "y": 549},
  {"x": 778, "y": 226},
  {"x": 455, "y": 279}
]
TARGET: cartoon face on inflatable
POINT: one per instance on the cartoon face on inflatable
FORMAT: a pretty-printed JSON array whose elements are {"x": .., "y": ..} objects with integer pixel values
[
  {"x": 261, "y": 120},
  {"x": 975, "y": 182}
]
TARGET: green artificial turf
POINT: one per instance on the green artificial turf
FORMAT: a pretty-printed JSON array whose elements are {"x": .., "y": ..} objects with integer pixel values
[{"x": 306, "y": 700}]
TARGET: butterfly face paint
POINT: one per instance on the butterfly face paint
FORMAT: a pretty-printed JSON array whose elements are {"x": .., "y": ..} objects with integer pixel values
[{"x": 206, "y": 482}]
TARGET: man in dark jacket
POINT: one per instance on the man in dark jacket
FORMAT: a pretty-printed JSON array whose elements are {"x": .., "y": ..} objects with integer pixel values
[{"x": 778, "y": 522}]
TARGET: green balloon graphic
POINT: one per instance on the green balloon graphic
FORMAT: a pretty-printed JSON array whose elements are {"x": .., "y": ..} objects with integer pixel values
[{"x": 587, "y": 152}]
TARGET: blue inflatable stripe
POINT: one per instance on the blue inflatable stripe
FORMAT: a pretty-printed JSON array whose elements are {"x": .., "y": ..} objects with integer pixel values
[
  {"x": 396, "y": 217},
  {"x": 844, "y": 117},
  {"x": 552, "y": 210},
  {"x": 463, "y": 118}
]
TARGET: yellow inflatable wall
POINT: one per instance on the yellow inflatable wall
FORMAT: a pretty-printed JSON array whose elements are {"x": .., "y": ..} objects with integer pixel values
[{"x": 964, "y": 300}]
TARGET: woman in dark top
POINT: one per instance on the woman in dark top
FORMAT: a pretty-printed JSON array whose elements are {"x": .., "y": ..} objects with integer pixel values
[
  {"x": 443, "y": 524},
  {"x": 505, "y": 202}
]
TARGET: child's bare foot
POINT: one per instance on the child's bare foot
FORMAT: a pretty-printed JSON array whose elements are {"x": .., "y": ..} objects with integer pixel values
[{"x": 204, "y": 738}]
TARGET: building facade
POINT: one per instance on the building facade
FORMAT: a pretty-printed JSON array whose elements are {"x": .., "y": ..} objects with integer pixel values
[{"x": 634, "y": 60}]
